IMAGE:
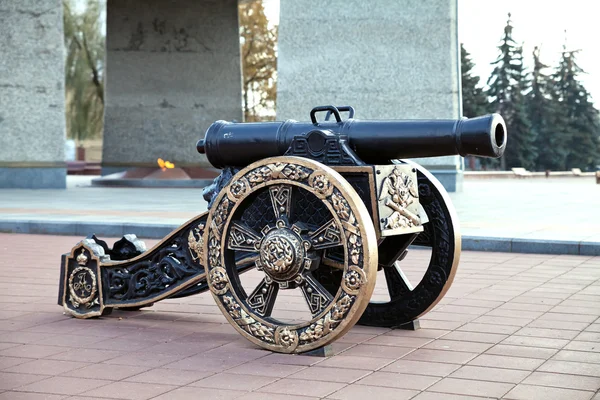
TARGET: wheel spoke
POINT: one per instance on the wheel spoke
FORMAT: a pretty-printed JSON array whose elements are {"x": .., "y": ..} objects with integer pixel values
[
  {"x": 242, "y": 237},
  {"x": 397, "y": 283},
  {"x": 243, "y": 264},
  {"x": 263, "y": 298},
  {"x": 281, "y": 200},
  {"x": 327, "y": 235},
  {"x": 317, "y": 297}
]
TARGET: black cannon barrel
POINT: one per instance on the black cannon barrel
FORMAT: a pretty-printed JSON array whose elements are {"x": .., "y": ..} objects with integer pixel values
[{"x": 374, "y": 141}]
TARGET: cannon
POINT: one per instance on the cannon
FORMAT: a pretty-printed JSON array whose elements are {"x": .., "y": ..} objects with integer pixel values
[{"x": 321, "y": 208}]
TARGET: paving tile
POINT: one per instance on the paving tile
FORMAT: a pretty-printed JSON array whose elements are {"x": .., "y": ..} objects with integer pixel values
[
  {"x": 497, "y": 320},
  {"x": 188, "y": 392},
  {"x": 589, "y": 336},
  {"x": 477, "y": 337},
  {"x": 569, "y": 317},
  {"x": 547, "y": 333},
  {"x": 289, "y": 359},
  {"x": 579, "y": 356},
  {"x": 360, "y": 392},
  {"x": 401, "y": 341},
  {"x": 10, "y": 381},
  {"x": 256, "y": 368},
  {"x": 563, "y": 381},
  {"x": 130, "y": 390},
  {"x": 448, "y": 325},
  {"x": 443, "y": 396},
  {"x": 302, "y": 387},
  {"x": 522, "y": 351},
  {"x": 32, "y": 351},
  {"x": 421, "y": 368},
  {"x": 532, "y": 341},
  {"x": 584, "y": 345},
  {"x": 523, "y": 313},
  {"x": 525, "y": 307},
  {"x": 400, "y": 381},
  {"x": 86, "y": 355},
  {"x": 273, "y": 396},
  {"x": 234, "y": 382},
  {"x": 23, "y": 337},
  {"x": 471, "y": 387},
  {"x": 356, "y": 337},
  {"x": 105, "y": 371},
  {"x": 530, "y": 392},
  {"x": 367, "y": 350},
  {"x": 177, "y": 377},
  {"x": 356, "y": 362},
  {"x": 64, "y": 385},
  {"x": 457, "y": 345},
  {"x": 30, "y": 396},
  {"x": 79, "y": 341},
  {"x": 419, "y": 333},
  {"x": 489, "y": 328},
  {"x": 573, "y": 368},
  {"x": 7, "y": 345},
  {"x": 142, "y": 359},
  {"x": 489, "y": 360},
  {"x": 203, "y": 363},
  {"x": 46, "y": 367},
  {"x": 342, "y": 375},
  {"x": 6, "y": 362},
  {"x": 490, "y": 374},
  {"x": 432, "y": 355},
  {"x": 549, "y": 324}
]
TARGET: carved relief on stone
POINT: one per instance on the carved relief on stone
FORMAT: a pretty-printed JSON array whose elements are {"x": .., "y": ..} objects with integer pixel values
[{"x": 398, "y": 197}]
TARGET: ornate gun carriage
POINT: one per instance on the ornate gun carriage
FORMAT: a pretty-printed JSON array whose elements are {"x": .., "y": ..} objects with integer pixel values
[{"x": 317, "y": 207}]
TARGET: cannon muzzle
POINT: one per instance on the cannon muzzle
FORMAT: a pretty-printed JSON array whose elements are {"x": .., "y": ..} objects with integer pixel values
[{"x": 374, "y": 141}]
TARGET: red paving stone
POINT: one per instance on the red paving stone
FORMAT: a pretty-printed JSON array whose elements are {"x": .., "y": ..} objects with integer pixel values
[{"x": 512, "y": 326}]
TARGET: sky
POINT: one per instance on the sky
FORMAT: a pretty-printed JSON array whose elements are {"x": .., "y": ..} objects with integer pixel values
[{"x": 539, "y": 23}]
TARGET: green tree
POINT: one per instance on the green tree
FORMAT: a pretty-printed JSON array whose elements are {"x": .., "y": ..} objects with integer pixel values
[
  {"x": 582, "y": 125},
  {"x": 506, "y": 86},
  {"x": 474, "y": 100},
  {"x": 548, "y": 119},
  {"x": 259, "y": 59},
  {"x": 84, "y": 80}
]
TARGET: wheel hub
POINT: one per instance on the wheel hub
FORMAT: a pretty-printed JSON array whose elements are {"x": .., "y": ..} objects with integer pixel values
[{"x": 283, "y": 253}]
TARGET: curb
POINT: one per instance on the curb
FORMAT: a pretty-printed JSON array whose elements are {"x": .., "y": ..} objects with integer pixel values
[{"x": 158, "y": 231}]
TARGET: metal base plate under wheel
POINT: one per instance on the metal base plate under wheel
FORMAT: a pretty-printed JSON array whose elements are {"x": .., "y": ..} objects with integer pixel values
[
  {"x": 286, "y": 246},
  {"x": 442, "y": 235}
]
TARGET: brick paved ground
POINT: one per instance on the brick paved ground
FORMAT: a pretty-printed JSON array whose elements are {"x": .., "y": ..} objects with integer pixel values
[{"x": 513, "y": 326}]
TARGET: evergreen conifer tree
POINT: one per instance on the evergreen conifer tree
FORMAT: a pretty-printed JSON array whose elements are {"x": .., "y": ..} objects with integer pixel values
[
  {"x": 474, "y": 100},
  {"x": 582, "y": 126},
  {"x": 548, "y": 119},
  {"x": 506, "y": 86}
]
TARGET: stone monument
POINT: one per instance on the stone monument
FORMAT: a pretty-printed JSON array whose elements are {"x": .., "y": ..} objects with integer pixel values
[
  {"x": 172, "y": 68},
  {"x": 389, "y": 59},
  {"x": 32, "y": 96}
]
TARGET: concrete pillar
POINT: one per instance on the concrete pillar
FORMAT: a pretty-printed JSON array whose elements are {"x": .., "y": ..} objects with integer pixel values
[
  {"x": 172, "y": 68},
  {"x": 32, "y": 97},
  {"x": 390, "y": 59}
]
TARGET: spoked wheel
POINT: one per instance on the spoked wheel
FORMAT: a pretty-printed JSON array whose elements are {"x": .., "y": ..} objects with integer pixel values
[
  {"x": 441, "y": 234},
  {"x": 282, "y": 213}
]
